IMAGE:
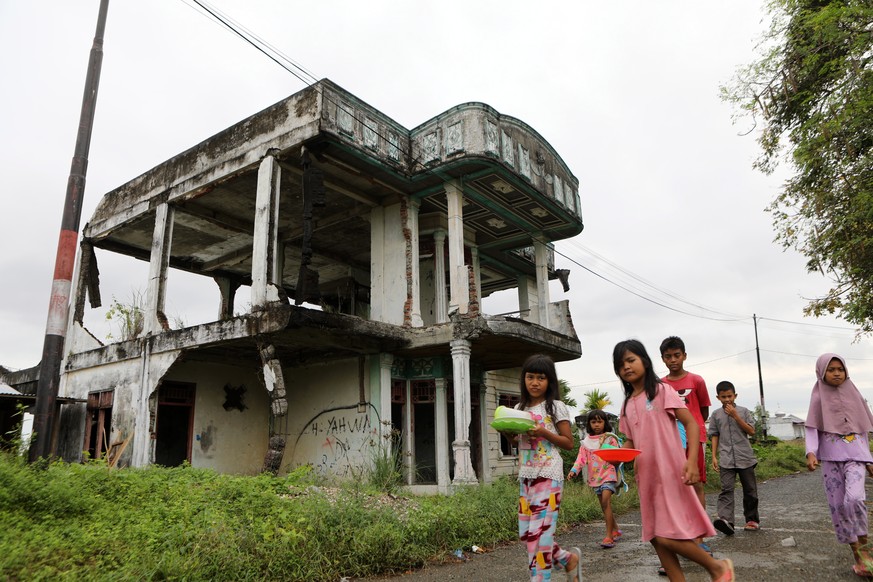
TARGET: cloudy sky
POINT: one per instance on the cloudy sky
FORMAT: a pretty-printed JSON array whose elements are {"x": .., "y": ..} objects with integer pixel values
[{"x": 676, "y": 240}]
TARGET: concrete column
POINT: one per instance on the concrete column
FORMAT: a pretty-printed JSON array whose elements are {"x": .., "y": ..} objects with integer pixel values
[
  {"x": 389, "y": 266},
  {"x": 464, "y": 474},
  {"x": 474, "y": 252},
  {"x": 541, "y": 254},
  {"x": 159, "y": 262},
  {"x": 227, "y": 289},
  {"x": 459, "y": 294},
  {"x": 413, "y": 266},
  {"x": 385, "y": 363},
  {"x": 442, "y": 437},
  {"x": 265, "y": 260},
  {"x": 441, "y": 303},
  {"x": 528, "y": 303},
  {"x": 377, "y": 264}
]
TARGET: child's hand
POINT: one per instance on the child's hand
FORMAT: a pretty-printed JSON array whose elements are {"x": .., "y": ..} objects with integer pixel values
[
  {"x": 690, "y": 474},
  {"x": 869, "y": 469},
  {"x": 730, "y": 410},
  {"x": 812, "y": 462},
  {"x": 715, "y": 463},
  {"x": 572, "y": 474}
]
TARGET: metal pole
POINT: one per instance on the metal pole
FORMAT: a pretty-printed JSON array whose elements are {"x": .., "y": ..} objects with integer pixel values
[
  {"x": 760, "y": 379},
  {"x": 59, "y": 303}
]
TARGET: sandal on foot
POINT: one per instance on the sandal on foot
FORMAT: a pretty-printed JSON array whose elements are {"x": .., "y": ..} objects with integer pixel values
[
  {"x": 575, "y": 575},
  {"x": 859, "y": 570},
  {"x": 616, "y": 535},
  {"x": 662, "y": 571},
  {"x": 607, "y": 542},
  {"x": 724, "y": 526},
  {"x": 729, "y": 575}
]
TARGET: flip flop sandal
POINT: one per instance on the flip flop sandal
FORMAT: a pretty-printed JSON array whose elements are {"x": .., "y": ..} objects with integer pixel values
[
  {"x": 860, "y": 571},
  {"x": 616, "y": 535},
  {"x": 607, "y": 543},
  {"x": 730, "y": 575}
]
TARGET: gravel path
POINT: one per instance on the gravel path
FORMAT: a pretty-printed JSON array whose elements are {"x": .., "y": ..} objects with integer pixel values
[{"x": 792, "y": 508}]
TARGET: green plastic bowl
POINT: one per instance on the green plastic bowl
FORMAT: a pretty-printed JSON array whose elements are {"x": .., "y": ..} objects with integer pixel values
[{"x": 513, "y": 425}]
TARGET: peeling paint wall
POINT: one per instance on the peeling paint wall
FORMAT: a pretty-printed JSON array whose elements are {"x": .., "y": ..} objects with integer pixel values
[
  {"x": 228, "y": 441},
  {"x": 325, "y": 428}
]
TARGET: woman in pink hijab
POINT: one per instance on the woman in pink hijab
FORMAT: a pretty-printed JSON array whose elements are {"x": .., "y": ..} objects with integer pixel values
[{"x": 837, "y": 427}]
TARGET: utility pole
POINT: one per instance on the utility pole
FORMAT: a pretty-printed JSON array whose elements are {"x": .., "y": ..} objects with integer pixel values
[
  {"x": 59, "y": 303},
  {"x": 760, "y": 379}
]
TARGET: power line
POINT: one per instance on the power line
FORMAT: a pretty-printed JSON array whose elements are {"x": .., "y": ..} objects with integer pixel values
[{"x": 308, "y": 79}]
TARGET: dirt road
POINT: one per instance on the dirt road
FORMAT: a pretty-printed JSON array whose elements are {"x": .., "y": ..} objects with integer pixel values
[{"x": 792, "y": 508}]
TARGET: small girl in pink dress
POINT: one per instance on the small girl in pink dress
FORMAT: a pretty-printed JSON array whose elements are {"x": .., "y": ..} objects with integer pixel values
[
  {"x": 672, "y": 516},
  {"x": 602, "y": 476}
]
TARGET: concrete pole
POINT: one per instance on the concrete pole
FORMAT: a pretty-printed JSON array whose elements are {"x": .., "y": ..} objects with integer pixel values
[{"x": 59, "y": 303}]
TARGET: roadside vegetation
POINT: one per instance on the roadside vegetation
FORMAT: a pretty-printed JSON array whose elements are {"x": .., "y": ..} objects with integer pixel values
[{"x": 91, "y": 522}]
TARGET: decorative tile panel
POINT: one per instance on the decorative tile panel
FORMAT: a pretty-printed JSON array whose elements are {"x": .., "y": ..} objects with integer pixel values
[
  {"x": 345, "y": 119},
  {"x": 371, "y": 136},
  {"x": 421, "y": 367},
  {"x": 507, "y": 150},
  {"x": 571, "y": 197},
  {"x": 393, "y": 147},
  {"x": 558, "y": 191},
  {"x": 455, "y": 138},
  {"x": 430, "y": 147},
  {"x": 523, "y": 161},
  {"x": 492, "y": 141}
]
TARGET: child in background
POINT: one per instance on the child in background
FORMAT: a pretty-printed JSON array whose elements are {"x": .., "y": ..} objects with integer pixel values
[
  {"x": 602, "y": 476},
  {"x": 730, "y": 428},
  {"x": 672, "y": 518},
  {"x": 836, "y": 435},
  {"x": 541, "y": 471}
]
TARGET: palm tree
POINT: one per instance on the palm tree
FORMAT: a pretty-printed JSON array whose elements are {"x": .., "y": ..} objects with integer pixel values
[{"x": 596, "y": 399}]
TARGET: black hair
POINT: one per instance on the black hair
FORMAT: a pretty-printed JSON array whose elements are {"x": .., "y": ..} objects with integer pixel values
[
  {"x": 672, "y": 343},
  {"x": 650, "y": 381},
  {"x": 724, "y": 386},
  {"x": 541, "y": 364},
  {"x": 599, "y": 414}
]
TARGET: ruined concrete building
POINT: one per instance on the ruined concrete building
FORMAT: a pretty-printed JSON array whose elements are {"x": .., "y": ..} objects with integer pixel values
[{"x": 366, "y": 248}]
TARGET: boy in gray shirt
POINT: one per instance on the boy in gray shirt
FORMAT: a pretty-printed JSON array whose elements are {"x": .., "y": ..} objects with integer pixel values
[{"x": 730, "y": 427}]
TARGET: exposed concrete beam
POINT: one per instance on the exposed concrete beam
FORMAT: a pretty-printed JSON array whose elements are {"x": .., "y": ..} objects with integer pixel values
[{"x": 360, "y": 197}]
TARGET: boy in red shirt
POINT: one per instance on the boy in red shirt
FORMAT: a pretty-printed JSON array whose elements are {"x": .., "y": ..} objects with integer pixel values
[{"x": 692, "y": 390}]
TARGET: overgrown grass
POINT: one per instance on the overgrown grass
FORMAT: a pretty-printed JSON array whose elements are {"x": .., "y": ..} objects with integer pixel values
[{"x": 89, "y": 522}]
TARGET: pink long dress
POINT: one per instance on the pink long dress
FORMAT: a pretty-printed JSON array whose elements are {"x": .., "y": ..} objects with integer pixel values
[{"x": 669, "y": 508}]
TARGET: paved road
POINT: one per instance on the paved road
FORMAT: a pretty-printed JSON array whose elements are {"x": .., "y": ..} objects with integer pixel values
[{"x": 791, "y": 507}]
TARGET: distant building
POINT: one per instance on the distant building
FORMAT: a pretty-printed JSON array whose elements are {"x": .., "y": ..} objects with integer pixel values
[
  {"x": 364, "y": 249},
  {"x": 785, "y": 427}
]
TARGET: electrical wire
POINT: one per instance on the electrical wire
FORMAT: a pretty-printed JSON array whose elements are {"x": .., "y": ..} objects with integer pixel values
[{"x": 308, "y": 79}]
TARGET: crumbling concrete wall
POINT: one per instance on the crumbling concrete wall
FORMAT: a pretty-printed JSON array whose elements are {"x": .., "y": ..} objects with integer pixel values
[
  {"x": 232, "y": 438},
  {"x": 325, "y": 427}
]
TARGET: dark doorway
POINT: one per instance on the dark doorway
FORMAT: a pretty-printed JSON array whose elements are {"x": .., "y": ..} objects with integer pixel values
[
  {"x": 99, "y": 415},
  {"x": 174, "y": 423},
  {"x": 424, "y": 430}
]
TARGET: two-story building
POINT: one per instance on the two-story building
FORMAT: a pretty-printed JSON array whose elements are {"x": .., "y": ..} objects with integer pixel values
[{"x": 366, "y": 249}]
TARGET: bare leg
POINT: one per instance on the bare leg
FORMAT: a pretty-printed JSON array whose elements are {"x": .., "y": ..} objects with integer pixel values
[
  {"x": 606, "y": 506},
  {"x": 669, "y": 561},
  {"x": 861, "y": 552},
  {"x": 689, "y": 549}
]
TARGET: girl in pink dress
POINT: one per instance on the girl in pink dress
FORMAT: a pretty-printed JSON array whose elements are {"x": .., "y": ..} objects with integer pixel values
[{"x": 672, "y": 516}]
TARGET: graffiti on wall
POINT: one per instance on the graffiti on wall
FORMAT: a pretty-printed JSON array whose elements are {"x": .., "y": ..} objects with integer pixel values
[{"x": 338, "y": 441}]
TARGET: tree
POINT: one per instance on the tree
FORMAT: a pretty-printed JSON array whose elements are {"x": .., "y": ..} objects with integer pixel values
[
  {"x": 813, "y": 91},
  {"x": 565, "y": 394},
  {"x": 596, "y": 399}
]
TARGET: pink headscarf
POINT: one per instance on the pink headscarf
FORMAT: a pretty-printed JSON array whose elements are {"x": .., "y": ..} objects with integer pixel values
[{"x": 837, "y": 409}]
